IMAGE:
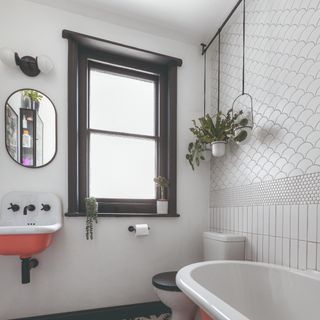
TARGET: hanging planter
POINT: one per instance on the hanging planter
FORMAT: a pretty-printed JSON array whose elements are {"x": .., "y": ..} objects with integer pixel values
[
  {"x": 218, "y": 148},
  {"x": 216, "y": 131}
]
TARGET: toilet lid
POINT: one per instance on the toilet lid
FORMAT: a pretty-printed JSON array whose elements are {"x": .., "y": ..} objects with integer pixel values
[{"x": 166, "y": 281}]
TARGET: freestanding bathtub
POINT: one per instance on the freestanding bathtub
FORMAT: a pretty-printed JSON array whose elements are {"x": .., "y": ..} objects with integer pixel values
[{"x": 239, "y": 290}]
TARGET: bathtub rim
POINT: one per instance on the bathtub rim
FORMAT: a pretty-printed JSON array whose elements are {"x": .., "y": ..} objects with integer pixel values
[{"x": 211, "y": 303}]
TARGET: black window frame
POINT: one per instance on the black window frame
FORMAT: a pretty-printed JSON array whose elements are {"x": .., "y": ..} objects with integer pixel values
[{"x": 85, "y": 52}]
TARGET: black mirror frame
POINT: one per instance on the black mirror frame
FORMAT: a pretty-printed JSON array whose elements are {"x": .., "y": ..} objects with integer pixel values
[{"x": 56, "y": 128}]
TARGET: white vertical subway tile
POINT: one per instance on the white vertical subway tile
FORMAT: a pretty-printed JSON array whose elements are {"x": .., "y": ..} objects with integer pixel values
[
  {"x": 286, "y": 252},
  {"x": 240, "y": 219},
  {"x": 215, "y": 218},
  {"x": 260, "y": 248},
  {"x": 260, "y": 220},
  {"x": 232, "y": 219},
  {"x": 318, "y": 220},
  {"x": 272, "y": 250},
  {"x": 294, "y": 253},
  {"x": 236, "y": 219},
  {"x": 318, "y": 223},
  {"x": 318, "y": 256},
  {"x": 286, "y": 221},
  {"x": 255, "y": 219},
  {"x": 294, "y": 222},
  {"x": 224, "y": 218},
  {"x": 272, "y": 221},
  {"x": 302, "y": 255},
  {"x": 311, "y": 255},
  {"x": 254, "y": 244},
  {"x": 266, "y": 220},
  {"x": 218, "y": 219},
  {"x": 250, "y": 219},
  {"x": 248, "y": 249},
  {"x": 245, "y": 219},
  {"x": 265, "y": 250},
  {"x": 312, "y": 223},
  {"x": 279, "y": 251},
  {"x": 303, "y": 222},
  {"x": 279, "y": 221}
]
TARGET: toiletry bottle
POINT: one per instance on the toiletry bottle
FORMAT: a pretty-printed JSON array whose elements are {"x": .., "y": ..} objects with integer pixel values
[
  {"x": 24, "y": 122},
  {"x": 26, "y": 139}
]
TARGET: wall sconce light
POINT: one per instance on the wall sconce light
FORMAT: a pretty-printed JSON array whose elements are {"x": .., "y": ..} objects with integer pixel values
[{"x": 29, "y": 66}]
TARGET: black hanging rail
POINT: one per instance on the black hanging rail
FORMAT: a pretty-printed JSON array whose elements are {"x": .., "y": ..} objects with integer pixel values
[{"x": 206, "y": 47}]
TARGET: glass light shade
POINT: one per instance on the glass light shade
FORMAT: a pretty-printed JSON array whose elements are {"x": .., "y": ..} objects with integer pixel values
[
  {"x": 7, "y": 57},
  {"x": 45, "y": 64}
]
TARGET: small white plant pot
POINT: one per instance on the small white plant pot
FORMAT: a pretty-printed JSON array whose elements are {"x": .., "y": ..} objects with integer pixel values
[
  {"x": 218, "y": 148},
  {"x": 162, "y": 206}
]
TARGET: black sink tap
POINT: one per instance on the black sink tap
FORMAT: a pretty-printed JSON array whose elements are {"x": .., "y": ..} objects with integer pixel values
[{"x": 30, "y": 207}]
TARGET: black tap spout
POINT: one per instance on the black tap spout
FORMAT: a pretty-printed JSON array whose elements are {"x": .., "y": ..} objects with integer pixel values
[{"x": 30, "y": 207}]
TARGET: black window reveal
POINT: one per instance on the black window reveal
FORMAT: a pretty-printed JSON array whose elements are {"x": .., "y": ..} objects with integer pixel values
[{"x": 122, "y": 120}]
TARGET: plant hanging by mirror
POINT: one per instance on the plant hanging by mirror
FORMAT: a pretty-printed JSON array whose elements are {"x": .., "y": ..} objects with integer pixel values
[
  {"x": 92, "y": 216},
  {"x": 215, "y": 131}
]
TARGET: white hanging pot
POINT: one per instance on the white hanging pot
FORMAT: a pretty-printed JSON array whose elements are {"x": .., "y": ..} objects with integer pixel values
[
  {"x": 162, "y": 206},
  {"x": 218, "y": 148}
]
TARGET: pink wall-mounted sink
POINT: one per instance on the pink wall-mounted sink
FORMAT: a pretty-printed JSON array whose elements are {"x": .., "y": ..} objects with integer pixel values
[{"x": 28, "y": 221}]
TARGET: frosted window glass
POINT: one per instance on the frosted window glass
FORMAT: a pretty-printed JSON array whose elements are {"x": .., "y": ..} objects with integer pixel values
[
  {"x": 120, "y": 103},
  {"x": 122, "y": 167}
]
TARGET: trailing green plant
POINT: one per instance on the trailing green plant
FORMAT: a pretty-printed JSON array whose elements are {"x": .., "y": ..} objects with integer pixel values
[
  {"x": 92, "y": 216},
  {"x": 33, "y": 95},
  {"x": 161, "y": 183},
  {"x": 212, "y": 129}
]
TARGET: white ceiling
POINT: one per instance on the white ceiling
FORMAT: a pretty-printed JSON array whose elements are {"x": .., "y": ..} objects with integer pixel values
[{"x": 193, "y": 21}]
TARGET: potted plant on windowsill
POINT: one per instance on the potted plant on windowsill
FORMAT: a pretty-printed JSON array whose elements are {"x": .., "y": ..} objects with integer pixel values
[
  {"x": 215, "y": 131},
  {"x": 162, "y": 203},
  {"x": 92, "y": 216}
]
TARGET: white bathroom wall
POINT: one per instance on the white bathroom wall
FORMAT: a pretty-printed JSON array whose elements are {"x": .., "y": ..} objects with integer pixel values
[
  {"x": 268, "y": 188},
  {"x": 115, "y": 268}
]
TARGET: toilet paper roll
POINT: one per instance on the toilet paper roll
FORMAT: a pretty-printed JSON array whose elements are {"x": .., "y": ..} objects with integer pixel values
[{"x": 141, "y": 230}]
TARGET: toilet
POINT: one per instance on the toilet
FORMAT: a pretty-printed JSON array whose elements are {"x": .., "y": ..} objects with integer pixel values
[{"x": 216, "y": 246}]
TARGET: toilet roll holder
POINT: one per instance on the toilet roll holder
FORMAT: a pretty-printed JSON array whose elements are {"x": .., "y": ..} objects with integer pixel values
[{"x": 133, "y": 229}]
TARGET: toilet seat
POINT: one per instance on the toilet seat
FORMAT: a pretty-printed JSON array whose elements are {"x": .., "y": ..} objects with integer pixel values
[{"x": 166, "y": 281}]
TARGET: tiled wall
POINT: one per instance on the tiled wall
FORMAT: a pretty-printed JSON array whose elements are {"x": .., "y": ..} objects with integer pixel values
[
  {"x": 287, "y": 235},
  {"x": 269, "y": 188}
]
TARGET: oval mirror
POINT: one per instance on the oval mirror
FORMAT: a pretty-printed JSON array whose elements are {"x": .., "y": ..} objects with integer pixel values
[{"x": 31, "y": 128}]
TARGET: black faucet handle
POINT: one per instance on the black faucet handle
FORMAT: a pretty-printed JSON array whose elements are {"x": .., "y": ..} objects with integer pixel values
[
  {"x": 31, "y": 207},
  {"x": 45, "y": 207},
  {"x": 14, "y": 207}
]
